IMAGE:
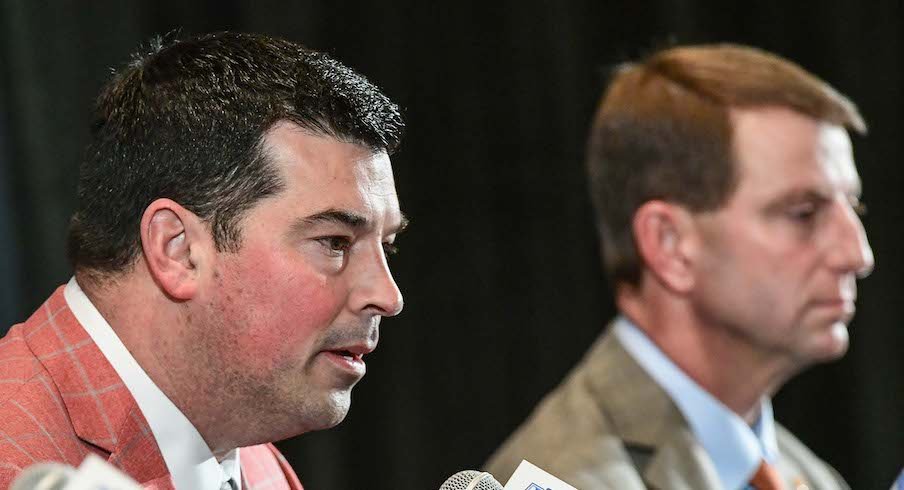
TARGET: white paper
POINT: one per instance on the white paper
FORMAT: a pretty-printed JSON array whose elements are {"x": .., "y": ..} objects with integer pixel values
[
  {"x": 96, "y": 474},
  {"x": 530, "y": 477}
]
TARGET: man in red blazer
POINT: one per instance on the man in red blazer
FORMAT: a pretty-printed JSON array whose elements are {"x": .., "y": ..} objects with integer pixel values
[{"x": 236, "y": 207}]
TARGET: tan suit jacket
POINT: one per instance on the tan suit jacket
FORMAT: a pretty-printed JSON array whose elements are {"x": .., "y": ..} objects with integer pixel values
[{"x": 610, "y": 426}]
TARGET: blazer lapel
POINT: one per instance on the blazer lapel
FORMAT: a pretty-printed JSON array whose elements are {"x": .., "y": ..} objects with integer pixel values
[
  {"x": 103, "y": 412},
  {"x": 162, "y": 483},
  {"x": 680, "y": 463},
  {"x": 264, "y": 467},
  {"x": 643, "y": 416},
  {"x": 137, "y": 453}
]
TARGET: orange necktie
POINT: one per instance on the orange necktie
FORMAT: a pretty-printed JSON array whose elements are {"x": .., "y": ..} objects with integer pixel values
[{"x": 766, "y": 478}]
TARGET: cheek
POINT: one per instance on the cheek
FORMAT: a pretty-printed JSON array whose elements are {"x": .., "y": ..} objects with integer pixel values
[
  {"x": 278, "y": 310},
  {"x": 749, "y": 283},
  {"x": 781, "y": 294}
]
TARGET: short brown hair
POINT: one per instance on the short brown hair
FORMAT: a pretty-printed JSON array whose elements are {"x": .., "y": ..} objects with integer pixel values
[
  {"x": 662, "y": 131},
  {"x": 187, "y": 121}
]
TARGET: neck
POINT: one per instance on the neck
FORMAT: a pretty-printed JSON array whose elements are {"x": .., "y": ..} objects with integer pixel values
[
  {"x": 156, "y": 331},
  {"x": 717, "y": 359}
]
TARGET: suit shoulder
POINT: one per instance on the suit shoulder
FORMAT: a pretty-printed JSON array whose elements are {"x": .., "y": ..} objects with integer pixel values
[
  {"x": 800, "y": 459},
  {"x": 19, "y": 362},
  {"x": 34, "y": 421},
  {"x": 567, "y": 434},
  {"x": 18, "y": 365},
  {"x": 260, "y": 452},
  {"x": 264, "y": 464},
  {"x": 8, "y": 473}
]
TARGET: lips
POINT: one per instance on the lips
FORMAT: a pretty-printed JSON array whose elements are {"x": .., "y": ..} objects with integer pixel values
[
  {"x": 356, "y": 351},
  {"x": 841, "y": 308},
  {"x": 347, "y": 354},
  {"x": 350, "y": 358}
]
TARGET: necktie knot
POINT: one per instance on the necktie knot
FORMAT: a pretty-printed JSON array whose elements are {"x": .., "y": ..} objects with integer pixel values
[{"x": 767, "y": 478}]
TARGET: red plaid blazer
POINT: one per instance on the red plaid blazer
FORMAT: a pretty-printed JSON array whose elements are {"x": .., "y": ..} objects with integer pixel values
[{"x": 61, "y": 399}]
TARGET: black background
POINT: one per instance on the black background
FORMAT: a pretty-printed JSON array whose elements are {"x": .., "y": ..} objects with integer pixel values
[{"x": 499, "y": 269}]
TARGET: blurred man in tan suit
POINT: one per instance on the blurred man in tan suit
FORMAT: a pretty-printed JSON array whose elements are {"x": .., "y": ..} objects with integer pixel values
[{"x": 727, "y": 199}]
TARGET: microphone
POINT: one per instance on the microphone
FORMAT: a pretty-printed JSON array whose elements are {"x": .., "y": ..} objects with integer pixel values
[
  {"x": 44, "y": 476},
  {"x": 471, "y": 480},
  {"x": 93, "y": 474}
]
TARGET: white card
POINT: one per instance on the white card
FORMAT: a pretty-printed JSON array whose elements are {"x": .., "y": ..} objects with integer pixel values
[
  {"x": 530, "y": 477},
  {"x": 96, "y": 474}
]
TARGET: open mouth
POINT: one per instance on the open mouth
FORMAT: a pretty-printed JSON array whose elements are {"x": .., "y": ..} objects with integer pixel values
[
  {"x": 348, "y": 354},
  {"x": 347, "y": 361}
]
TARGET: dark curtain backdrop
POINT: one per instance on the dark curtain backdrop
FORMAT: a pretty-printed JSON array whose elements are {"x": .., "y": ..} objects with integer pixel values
[{"x": 500, "y": 271}]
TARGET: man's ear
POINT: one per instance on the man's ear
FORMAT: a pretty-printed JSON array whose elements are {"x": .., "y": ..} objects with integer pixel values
[
  {"x": 174, "y": 241},
  {"x": 664, "y": 234}
]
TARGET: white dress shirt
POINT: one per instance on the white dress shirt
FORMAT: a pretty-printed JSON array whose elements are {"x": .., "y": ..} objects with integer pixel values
[
  {"x": 735, "y": 448},
  {"x": 188, "y": 458}
]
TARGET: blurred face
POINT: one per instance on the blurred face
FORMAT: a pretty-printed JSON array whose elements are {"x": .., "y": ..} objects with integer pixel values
[
  {"x": 298, "y": 307},
  {"x": 779, "y": 261}
]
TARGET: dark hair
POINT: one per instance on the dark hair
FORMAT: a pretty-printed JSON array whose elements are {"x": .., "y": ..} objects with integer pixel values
[
  {"x": 662, "y": 131},
  {"x": 186, "y": 121}
]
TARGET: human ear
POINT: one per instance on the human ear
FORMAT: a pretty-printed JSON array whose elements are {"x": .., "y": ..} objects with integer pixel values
[
  {"x": 172, "y": 242},
  {"x": 663, "y": 235}
]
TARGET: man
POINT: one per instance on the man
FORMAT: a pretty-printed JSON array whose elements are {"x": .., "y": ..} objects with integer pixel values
[
  {"x": 236, "y": 206},
  {"x": 726, "y": 197}
]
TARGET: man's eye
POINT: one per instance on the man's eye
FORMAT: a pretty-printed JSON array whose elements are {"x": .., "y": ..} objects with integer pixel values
[
  {"x": 390, "y": 249},
  {"x": 804, "y": 212},
  {"x": 336, "y": 245}
]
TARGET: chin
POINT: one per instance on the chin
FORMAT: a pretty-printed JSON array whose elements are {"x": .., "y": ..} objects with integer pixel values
[
  {"x": 325, "y": 422},
  {"x": 333, "y": 411},
  {"x": 832, "y": 344}
]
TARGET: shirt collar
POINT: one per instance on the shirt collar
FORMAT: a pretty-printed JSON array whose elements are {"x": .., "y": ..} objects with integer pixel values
[
  {"x": 734, "y": 447},
  {"x": 187, "y": 457},
  {"x": 231, "y": 466}
]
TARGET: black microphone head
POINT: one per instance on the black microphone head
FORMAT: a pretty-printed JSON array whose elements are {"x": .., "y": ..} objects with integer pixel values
[{"x": 471, "y": 480}]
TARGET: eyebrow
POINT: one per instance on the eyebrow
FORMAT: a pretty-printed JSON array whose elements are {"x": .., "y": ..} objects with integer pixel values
[
  {"x": 347, "y": 218},
  {"x": 804, "y": 195},
  {"x": 339, "y": 216},
  {"x": 798, "y": 195}
]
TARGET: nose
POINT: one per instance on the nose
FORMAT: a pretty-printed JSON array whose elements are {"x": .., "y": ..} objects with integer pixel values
[
  {"x": 375, "y": 290},
  {"x": 851, "y": 252}
]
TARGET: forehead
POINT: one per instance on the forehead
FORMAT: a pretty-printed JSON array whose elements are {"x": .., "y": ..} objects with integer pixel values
[
  {"x": 778, "y": 150},
  {"x": 321, "y": 172}
]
